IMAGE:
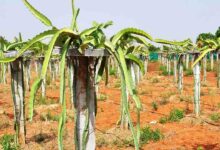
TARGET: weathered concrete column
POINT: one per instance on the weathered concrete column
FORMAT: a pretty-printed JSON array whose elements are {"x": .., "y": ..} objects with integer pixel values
[
  {"x": 159, "y": 57},
  {"x": 70, "y": 78},
  {"x": 196, "y": 72},
  {"x": 212, "y": 60},
  {"x": 187, "y": 61},
  {"x": 192, "y": 60},
  {"x": 175, "y": 68},
  {"x": 43, "y": 84},
  {"x": 53, "y": 73},
  {"x": 85, "y": 102},
  {"x": 18, "y": 93},
  {"x": 3, "y": 73},
  {"x": 180, "y": 73},
  {"x": 204, "y": 68},
  {"x": 84, "y": 96},
  {"x": 96, "y": 84},
  {"x": 169, "y": 66},
  {"x": 133, "y": 73},
  {"x": 218, "y": 71},
  {"x": 27, "y": 70},
  {"x": 146, "y": 64},
  {"x": 36, "y": 66}
]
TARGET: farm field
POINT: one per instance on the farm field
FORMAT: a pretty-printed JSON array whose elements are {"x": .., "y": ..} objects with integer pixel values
[{"x": 159, "y": 96}]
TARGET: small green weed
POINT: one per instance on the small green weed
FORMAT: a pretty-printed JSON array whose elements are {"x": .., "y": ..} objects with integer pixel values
[
  {"x": 215, "y": 117},
  {"x": 200, "y": 148},
  {"x": 147, "y": 134},
  {"x": 8, "y": 142},
  {"x": 154, "y": 105},
  {"x": 154, "y": 80},
  {"x": 163, "y": 120},
  {"x": 112, "y": 71},
  {"x": 188, "y": 72},
  {"x": 49, "y": 117},
  {"x": 176, "y": 115},
  {"x": 102, "y": 97}
]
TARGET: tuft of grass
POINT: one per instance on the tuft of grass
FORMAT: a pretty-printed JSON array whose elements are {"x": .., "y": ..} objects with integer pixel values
[
  {"x": 166, "y": 96},
  {"x": 8, "y": 142},
  {"x": 101, "y": 142},
  {"x": 49, "y": 117},
  {"x": 200, "y": 148},
  {"x": 215, "y": 117},
  {"x": 188, "y": 72},
  {"x": 48, "y": 79},
  {"x": 186, "y": 98},
  {"x": 162, "y": 68},
  {"x": 154, "y": 105},
  {"x": 155, "y": 80},
  {"x": 45, "y": 100},
  {"x": 163, "y": 120},
  {"x": 112, "y": 71},
  {"x": 102, "y": 97},
  {"x": 117, "y": 84},
  {"x": 164, "y": 71},
  {"x": 147, "y": 134},
  {"x": 176, "y": 115},
  {"x": 42, "y": 101},
  {"x": 208, "y": 68},
  {"x": 218, "y": 105}
]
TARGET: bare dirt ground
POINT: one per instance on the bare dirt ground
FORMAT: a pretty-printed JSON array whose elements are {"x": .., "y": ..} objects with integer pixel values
[{"x": 189, "y": 133}]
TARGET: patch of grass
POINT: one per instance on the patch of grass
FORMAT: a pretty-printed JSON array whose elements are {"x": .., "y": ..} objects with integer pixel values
[
  {"x": 155, "y": 80},
  {"x": 163, "y": 120},
  {"x": 8, "y": 143},
  {"x": 154, "y": 105},
  {"x": 45, "y": 101},
  {"x": 176, "y": 115},
  {"x": 218, "y": 105},
  {"x": 200, "y": 148},
  {"x": 186, "y": 98},
  {"x": 215, "y": 117},
  {"x": 162, "y": 68},
  {"x": 48, "y": 79},
  {"x": 147, "y": 134},
  {"x": 102, "y": 97},
  {"x": 166, "y": 96},
  {"x": 49, "y": 117},
  {"x": 112, "y": 71},
  {"x": 188, "y": 72},
  {"x": 164, "y": 71},
  {"x": 100, "y": 142},
  {"x": 42, "y": 101},
  {"x": 117, "y": 84}
]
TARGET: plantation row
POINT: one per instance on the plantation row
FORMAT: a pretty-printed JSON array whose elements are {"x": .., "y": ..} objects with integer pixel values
[{"x": 85, "y": 57}]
